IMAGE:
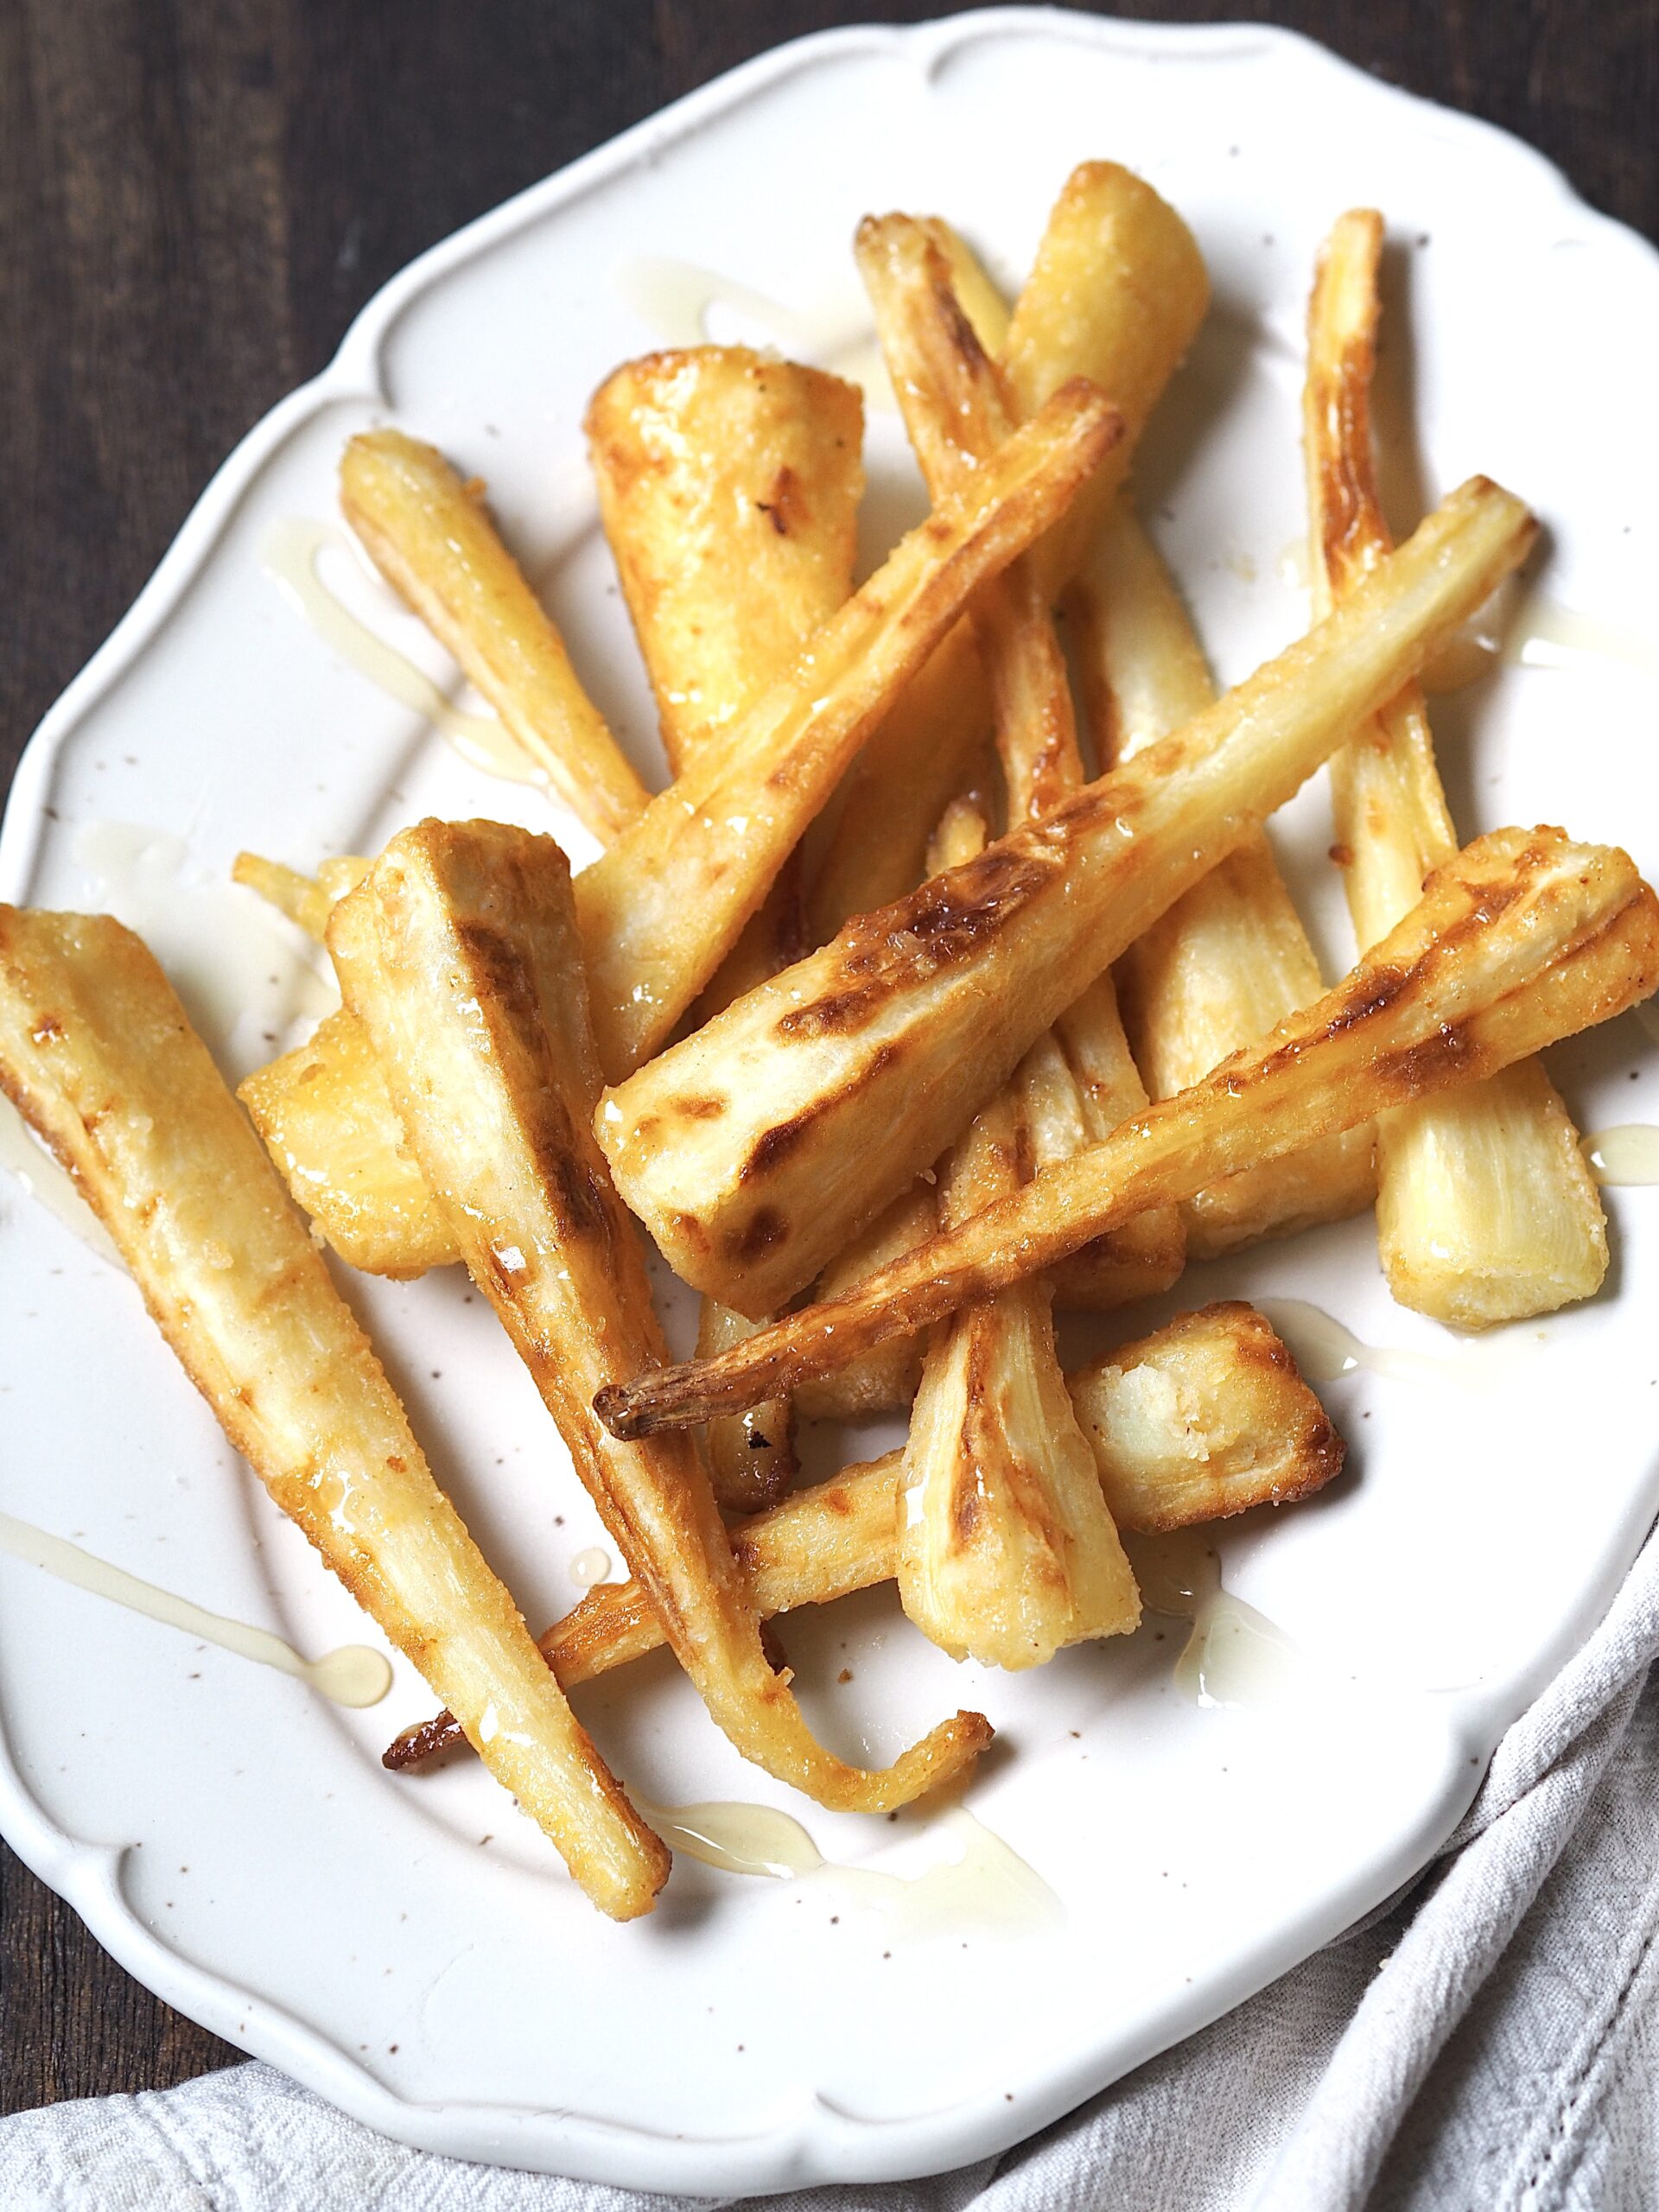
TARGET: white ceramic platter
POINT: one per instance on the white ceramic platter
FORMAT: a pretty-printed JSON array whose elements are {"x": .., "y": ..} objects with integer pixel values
[{"x": 409, "y": 1946}]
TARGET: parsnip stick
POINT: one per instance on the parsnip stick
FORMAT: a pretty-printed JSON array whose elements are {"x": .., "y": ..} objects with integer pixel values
[
  {"x": 1204, "y": 1418},
  {"x": 661, "y": 909},
  {"x": 329, "y": 1125},
  {"x": 1524, "y": 938},
  {"x": 1116, "y": 294},
  {"x": 1231, "y": 957},
  {"x": 1006, "y": 1551},
  {"x": 95, "y": 1050},
  {"x": 460, "y": 954},
  {"x": 958, "y": 416},
  {"x": 1485, "y": 1209},
  {"x": 431, "y": 536},
  {"x": 729, "y": 486},
  {"x": 758, "y": 1148}
]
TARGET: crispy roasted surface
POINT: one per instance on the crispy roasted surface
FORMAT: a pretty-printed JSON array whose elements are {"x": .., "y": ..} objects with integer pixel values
[
  {"x": 1116, "y": 294},
  {"x": 661, "y": 909},
  {"x": 1206, "y": 1417},
  {"x": 1007, "y": 1551},
  {"x": 459, "y": 954},
  {"x": 431, "y": 537},
  {"x": 1522, "y": 940},
  {"x": 728, "y": 485},
  {"x": 757, "y": 1148},
  {"x": 328, "y": 1123},
  {"x": 1229, "y": 958},
  {"x": 96, "y": 1051},
  {"x": 1485, "y": 1211}
]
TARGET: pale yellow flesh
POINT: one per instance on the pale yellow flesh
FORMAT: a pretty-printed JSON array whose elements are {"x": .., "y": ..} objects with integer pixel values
[
  {"x": 1206, "y": 1417},
  {"x": 459, "y": 954},
  {"x": 1522, "y": 940},
  {"x": 756, "y": 1149},
  {"x": 1229, "y": 959},
  {"x": 1485, "y": 1211},
  {"x": 431, "y": 536},
  {"x": 96, "y": 1051},
  {"x": 662, "y": 908}
]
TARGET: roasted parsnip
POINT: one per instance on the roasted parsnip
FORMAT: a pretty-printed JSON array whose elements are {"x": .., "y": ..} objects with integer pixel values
[
  {"x": 95, "y": 1050},
  {"x": 1231, "y": 957},
  {"x": 459, "y": 953},
  {"x": 1523, "y": 939},
  {"x": 958, "y": 415},
  {"x": 1007, "y": 1551},
  {"x": 327, "y": 1121},
  {"x": 661, "y": 909},
  {"x": 1116, "y": 293},
  {"x": 1485, "y": 1210},
  {"x": 431, "y": 537},
  {"x": 728, "y": 484},
  {"x": 1204, "y": 1418},
  {"x": 757, "y": 1148}
]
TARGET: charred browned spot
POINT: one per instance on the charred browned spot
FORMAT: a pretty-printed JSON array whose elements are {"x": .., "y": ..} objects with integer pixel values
[
  {"x": 1435, "y": 1060},
  {"x": 765, "y": 1231},
  {"x": 693, "y": 1110},
  {"x": 503, "y": 972},
  {"x": 966, "y": 1508},
  {"x": 775, "y": 1144},
  {"x": 1342, "y": 855},
  {"x": 835, "y": 1500},
  {"x": 784, "y": 505},
  {"x": 398, "y": 1465},
  {"x": 1373, "y": 994},
  {"x": 48, "y": 1029},
  {"x": 689, "y": 1230},
  {"x": 935, "y": 928},
  {"x": 746, "y": 1553}
]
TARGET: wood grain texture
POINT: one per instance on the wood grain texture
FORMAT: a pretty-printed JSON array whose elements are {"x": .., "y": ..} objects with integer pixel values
[{"x": 197, "y": 195}]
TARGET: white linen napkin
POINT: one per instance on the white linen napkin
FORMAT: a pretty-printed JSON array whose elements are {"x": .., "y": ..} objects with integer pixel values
[{"x": 1490, "y": 2041}]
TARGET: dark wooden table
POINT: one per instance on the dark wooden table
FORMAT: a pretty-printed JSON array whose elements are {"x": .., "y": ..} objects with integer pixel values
[{"x": 195, "y": 199}]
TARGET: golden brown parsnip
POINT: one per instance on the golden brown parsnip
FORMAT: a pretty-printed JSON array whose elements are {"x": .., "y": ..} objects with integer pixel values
[
  {"x": 1117, "y": 291},
  {"x": 958, "y": 415},
  {"x": 327, "y": 1121},
  {"x": 1231, "y": 957},
  {"x": 1116, "y": 294},
  {"x": 1206, "y": 1417},
  {"x": 661, "y": 909},
  {"x": 728, "y": 486},
  {"x": 459, "y": 953},
  {"x": 1523, "y": 939},
  {"x": 1485, "y": 1209},
  {"x": 431, "y": 537},
  {"x": 757, "y": 1148},
  {"x": 1007, "y": 1551},
  {"x": 95, "y": 1050}
]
